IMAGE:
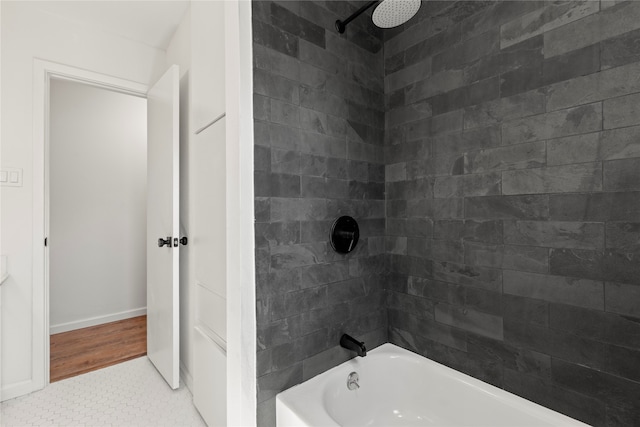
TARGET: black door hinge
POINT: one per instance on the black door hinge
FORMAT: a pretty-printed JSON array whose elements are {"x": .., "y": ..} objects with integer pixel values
[{"x": 45, "y": 242}]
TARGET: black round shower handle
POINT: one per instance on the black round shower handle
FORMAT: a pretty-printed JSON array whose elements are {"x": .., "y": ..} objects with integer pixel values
[{"x": 162, "y": 242}]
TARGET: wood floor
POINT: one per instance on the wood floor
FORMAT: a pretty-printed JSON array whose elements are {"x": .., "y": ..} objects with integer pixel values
[{"x": 84, "y": 350}]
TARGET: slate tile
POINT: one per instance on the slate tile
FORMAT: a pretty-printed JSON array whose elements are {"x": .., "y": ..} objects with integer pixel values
[
  {"x": 621, "y": 50},
  {"x": 574, "y": 149},
  {"x": 483, "y": 90},
  {"x": 590, "y": 382},
  {"x": 623, "y": 206},
  {"x": 322, "y": 145},
  {"x": 545, "y": 392},
  {"x": 623, "y": 414},
  {"x": 622, "y": 299},
  {"x": 495, "y": 15},
  {"x": 622, "y": 111},
  {"x": 552, "y": 15},
  {"x": 407, "y": 75},
  {"x": 441, "y": 82},
  {"x": 294, "y": 24},
  {"x": 585, "y": 264},
  {"x": 592, "y": 29},
  {"x": 274, "y": 86},
  {"x": 281, "y": 281},
  {"x": 447, "y": 208},
  {"x": 470, "y": 320},
  {"x": 284, "y": 113},
  {"x": 394, "y": 63},
  {"x": 526, "y": 54},
  {"x": 261, "y": 130},
  {"x": 282, "y": 185},
  {"x": 262, "y": 158},
  {"x": 555, "y": 234},
  {"x": 262, "y": 208},
  {"x": 623, "y": 236},
  {"x": 285, "y": 161},
  {"x": 302, "y": 301},
  {"x": 324, "y": 188},
  {"x": 284, "y": 137},
  {"x": 585, "y": 177},
  {"x": 447, "y": 250},
  {"x": 322, "y": 101},
  {"x": 285, "y": 209},
  {"x": 572, "y": 121},
  {"x": 510, "y": 207},
  {"x": 262, "y": 184},
  {"x": 622, "y": 267},
  {"x": 396, "y": 245},
  {"x": 467, "y": 51},
  {"x": 579, "y": 62},
  {"x": 557, "y": 344},
  {"x": 315, "y": 231},
  {"x": 324, "y": 361},
  {"x": 483, "y": 231},
  {"x": 566, "y": 290},
  {"x": 275, "y": 38},
  {"x": 481, "y": 277},
  {"x": 525, "y": 258},
  {"x": 282, "y": 233},
  {"x": 483, "y": 68},
  {"x": 521, "y": 80},
  {"x": 312, "y": 54},
  {"x": 503, "y": 109},
  {"x": 276, "y": 62},
  {"x": 261, "y": 108},
  {"x": 595, "y": 87},
  {"x": 430, "y": 46},
  {"x": 514, "y": 358},
  {"x": 434, "y": 331},
  {"x": 518, "y": 156},
  {"x": 413, "y": 305},
  {"x": 597, "y": 325},
  {"x": 482, "y": 184},
  {"x": 526, "y": 310},
  {"x": 621, "y": 175}
]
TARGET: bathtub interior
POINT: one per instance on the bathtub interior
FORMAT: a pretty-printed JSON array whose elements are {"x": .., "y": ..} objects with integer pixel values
[{"x": 400, "y": 388}]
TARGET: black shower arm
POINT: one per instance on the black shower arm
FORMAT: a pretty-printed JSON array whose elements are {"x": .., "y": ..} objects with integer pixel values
[{"x": 342, "y": 25}]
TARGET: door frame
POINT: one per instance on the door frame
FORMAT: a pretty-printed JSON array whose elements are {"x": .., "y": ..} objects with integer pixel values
[{"x": 43, "y": 72}]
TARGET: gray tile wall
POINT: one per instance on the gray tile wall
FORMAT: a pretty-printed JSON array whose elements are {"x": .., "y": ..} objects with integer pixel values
[
  {"x": 512, "y": 150},
  {"x": 319, "y": 135}
]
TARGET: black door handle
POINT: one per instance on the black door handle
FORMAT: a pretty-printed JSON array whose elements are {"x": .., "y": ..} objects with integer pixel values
[
  {"x": 162, "y": 242},
  {"x": 184, "y": 241}
]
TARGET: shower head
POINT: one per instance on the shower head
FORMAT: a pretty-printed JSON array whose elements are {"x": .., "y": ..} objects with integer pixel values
[
  {"x": 387, "y": 14},
  {"x": 391, "y": 13}
]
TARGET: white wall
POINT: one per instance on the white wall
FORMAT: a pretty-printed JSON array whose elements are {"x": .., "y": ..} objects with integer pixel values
[
  {"x": 98, "y": 178},
  {"x": 28, "y": 33}
]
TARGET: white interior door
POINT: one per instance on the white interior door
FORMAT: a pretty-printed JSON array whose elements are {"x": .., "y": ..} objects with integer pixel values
[{"x": 163, "y": 341}]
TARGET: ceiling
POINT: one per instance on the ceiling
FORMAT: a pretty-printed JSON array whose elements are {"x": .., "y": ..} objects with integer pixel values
[{"x": 151, "y": 22}]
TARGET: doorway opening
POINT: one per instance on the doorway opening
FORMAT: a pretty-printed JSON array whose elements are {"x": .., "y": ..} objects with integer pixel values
[{"x": 97, "y": 176}]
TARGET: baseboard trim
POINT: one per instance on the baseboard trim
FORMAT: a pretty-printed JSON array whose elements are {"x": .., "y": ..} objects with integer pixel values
[
  {"x": 98, "y": 320},
  {"x": 186, "y": 377},
  {"x": 11, "y": 391}
]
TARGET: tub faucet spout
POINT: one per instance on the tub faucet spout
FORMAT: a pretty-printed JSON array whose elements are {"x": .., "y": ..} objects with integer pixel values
[{"x": 350, "y": 343}]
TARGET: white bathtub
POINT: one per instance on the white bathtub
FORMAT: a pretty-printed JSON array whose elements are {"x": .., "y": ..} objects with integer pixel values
[{"x": 401, "y": 388}]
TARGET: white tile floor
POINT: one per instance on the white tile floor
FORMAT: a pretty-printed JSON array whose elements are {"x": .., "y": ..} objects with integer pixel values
[{"x": 125, "y": 395}]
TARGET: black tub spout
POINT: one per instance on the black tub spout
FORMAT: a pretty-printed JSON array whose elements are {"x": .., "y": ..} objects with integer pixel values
[{"x": 350, "y": 343}]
